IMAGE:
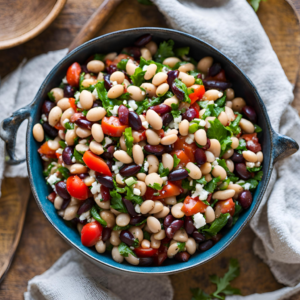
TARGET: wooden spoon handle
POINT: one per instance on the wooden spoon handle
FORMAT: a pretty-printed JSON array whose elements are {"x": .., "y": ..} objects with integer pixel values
[{"x": 98, "y": 18}]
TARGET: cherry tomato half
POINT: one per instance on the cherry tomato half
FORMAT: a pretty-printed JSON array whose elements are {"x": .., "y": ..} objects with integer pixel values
[
  {"x": 96, "y": 163},
  {"x": 73, "y": 74},
  {"x": 169, "y": 190},
  {"x": 225, "y": 206},
  {"x": 112, "y": 126},
  {"x": 197, "y": 94},
  {"x": 192, "y": 206},
  {"x": 76, "y": 188},
  {"x": 91, "y": 233},
  {"x": 141, "y": 252},
  {"x": 72, "y": 103},
  {"x": 45, "y": 150}
]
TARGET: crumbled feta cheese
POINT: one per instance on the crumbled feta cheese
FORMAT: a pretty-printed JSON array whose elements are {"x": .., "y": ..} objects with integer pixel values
[
  {"x": 211, "y": 102},
  {"x": 66, "y": 121},
  {"x": 137, "y": 209},
  {"x": 95, "y": 94},
  {"x": 165, "y": 70},
  {"x": 136, "y": 191},
  {"x": 132, "y": 104},
  {"x": 114, "y": 82},
  {"x": 107, "y": 141},
  {"x": 145, "y": 67},
  {"x": 199, "y": 220},
  {"x": 64, "y": 80},
  {"x": 59, "y": 150},
  {"x": 79, "y": 104},
  {"x": 190, "y": 139},
  {"x": 98, "y": 197},
  {"x": 95, "y": 188},
  {"x": 177, "y": 122},
  {"x": 200, "y": 192},
  {"x": 125, "y": 102},
  {"x": 130, "y": 109},
  {"x": 214, "y": 163},
  {"x": 45, "y": 158},
  {"x": 92, "y": 173},
  {"x": 53, "y": 179},
  {"x": 143, "y": 93},
  {"x": 202, "y": 123},
  {"x": 250, "y": 164},
  {"x": 191, "y": 183},
  {"x": 44, "y": 117},
  {"x": 114, "y": 111},
  {"x": 247, "y": 186},
  {"x": 146, "y": 166},
  {"x": 165, "y": 178},
  {"x": 85, "y": 215},
  {"x": 117, "y": 166},
  {"x": 76, "y": 95},
  {"x": 73, "y": 159},
  {"x": 145, "y": 124}
]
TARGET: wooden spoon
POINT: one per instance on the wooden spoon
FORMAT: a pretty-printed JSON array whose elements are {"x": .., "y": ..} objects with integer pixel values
[{"x": 16, "y": 193}]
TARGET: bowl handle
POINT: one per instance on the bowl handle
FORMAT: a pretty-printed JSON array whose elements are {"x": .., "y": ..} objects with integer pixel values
[
  {"x": 8, "y": 132},
  {"x": 284, "y": 146}
]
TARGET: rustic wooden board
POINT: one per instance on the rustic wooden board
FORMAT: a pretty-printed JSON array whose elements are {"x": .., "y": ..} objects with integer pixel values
[{"x": 41, "y": 246}]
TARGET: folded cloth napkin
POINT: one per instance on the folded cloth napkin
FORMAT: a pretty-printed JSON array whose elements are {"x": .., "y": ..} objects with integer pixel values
[{"x": 232, "y": 27}]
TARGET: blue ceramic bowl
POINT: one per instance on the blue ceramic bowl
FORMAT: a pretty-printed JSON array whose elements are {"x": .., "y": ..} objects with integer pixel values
[{"x": 274, "y": 145}]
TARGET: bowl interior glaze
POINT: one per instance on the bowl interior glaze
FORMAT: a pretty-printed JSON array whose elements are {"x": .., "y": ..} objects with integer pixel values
[{"x": 115, "y": 42}]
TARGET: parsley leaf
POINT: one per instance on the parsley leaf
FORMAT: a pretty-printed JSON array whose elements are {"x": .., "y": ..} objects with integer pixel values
[
  {"x": 165, "y": 50},
  {"x": 116, "y": 202},
  {"x": 62, "y": 144},
  {"x": 99, "y": 56},
  {"x": 234, "y": 125},
  {"x": 132, "y": 197},
  {"x": 138, "y": 76},
  {"x": 198, "y": 294},
  {"x": 217, "y": 224},
  {"x": 242, "y": 145},
  {"x": 258, "y": 176},
  {"x": 51, "y": 96},
  {"x": 163, "y": 171},
  {"x": 125, "y": 250},
  {"x": 255, "y": 169},
  {"x": 69, "y": 125},
  {"x": 253, "y": 183},
  {"x": 156, "y": 186},
  {"x": 182, "y": 87},
  {"x": 97, "y": 217},
  {"x": 122, "y": 64},
  {"x": 78, "y": 156},
  {"x": 64, "y": 172},
  {"x": 180, "y": 246},
  {"x": 144, "y": 62},
  {"x": 257, "y": 128},
  {"x": 221, "y": 101},
  {"x": 222, "y": 163},
  {"x": 47, "y": 172},
  {"x": 238, "y": 210},
  {"x": 217, "y": 130},
  {"x": 180, "y": 52},
  {"x": 255, "y": 4},
  {"x": 144, "y": 105},
  {"x": 128, "y": 140},
  {"x": 211, "y": 186},
  {"x": 116, "y": 227},
  {"x": 176, "y": 161},
  {"x": 223, "y": 284}
]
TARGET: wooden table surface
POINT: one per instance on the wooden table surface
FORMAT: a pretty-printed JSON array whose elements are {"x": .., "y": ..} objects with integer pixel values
[{"x": 41, "y": 246}]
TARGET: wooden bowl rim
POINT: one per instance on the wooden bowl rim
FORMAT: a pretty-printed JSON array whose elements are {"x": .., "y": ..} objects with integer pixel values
[{"x": 37, "y": 30}]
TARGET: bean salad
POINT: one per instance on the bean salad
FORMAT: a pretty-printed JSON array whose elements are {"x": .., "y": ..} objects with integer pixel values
[{"x": 148, "y": 153}]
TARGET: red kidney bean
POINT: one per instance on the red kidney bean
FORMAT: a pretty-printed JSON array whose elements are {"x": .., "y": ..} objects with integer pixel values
[
  {"x": 123, "y": 114},
  {"x": 129, "y": 207},
  {"x": 146, "y": 261},
  {"x": 97, "y": 103},
  {"x": 200, "y": 156},
  {"x": 50, "y": 131},
  {"x": 161, "y": 108},
  {"x": 167, "y": 119},
  {"x": 84, "y": 69},
  {"x": 204, "y": 246},
  {"x": 178, "y": 93},
  {"x": 172, "y": 75},
  {"x": 178, "y": 175},
  {"x": 46, "y": 107},
  {"x": 168, "y": 221},
  {"x": 105, "y": 180},
  {"x": 134, "y": 121},
  {"x": 237, "y": 157},
  {"x": 65, "y": 203},
  {"x": 242, "y": 172},
  {"x": 207, "y": 146},
  {"x": 156, "y": 150},
  {"x": 189, "y": 225},
  {"x": 107, "y": 83},
  {"x": 214, "y": 69},
  {"x": 83, "y": 175},
  {"x": 69, "y": 91},
  {"x": 133, "y": 51},
  {"x": 245, "y": 199},
  {"x": 182, "y": 256},
  {"x": 127, "y": 237},
  {"x": 61, "y": 189},
  {"x": 111, "y": 69},
  {"x": 84, "y": 123},
  {"x": 109, "y": 154},
  {"x": 143, "y": 40},
  {"x": 190, "y": 114},
  {"x": 198, "y": 237},
  {"x": 253, "y": 146},
  {"x": 160, "y": 258},
  {"x": 214, "y": 84},
  {"x": 217, "y": 237},
  {"x": 105, "y": 193},
  {"x": 209, "y": 198},
  {"x": 106, "y": 233},
  {"x": 76, "y": 220},
  {"x": 168, "y": 148},
  {"x": 130, "y": 170},
  {"x": 109, "y": 164},
  {"x": 67, "y": 155},
  {"x": 173, "y": 228},
  {"x": 229, "y": 222},
  {"x": 137, "y": 220},
  {"x": 250, "y": 113},
  {"x": 85, "y": 206},
  {"x": 51, "y": 197}
]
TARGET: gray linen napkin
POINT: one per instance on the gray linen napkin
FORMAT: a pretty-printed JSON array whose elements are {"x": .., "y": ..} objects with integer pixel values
[{"x": 232, "y": 27}]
